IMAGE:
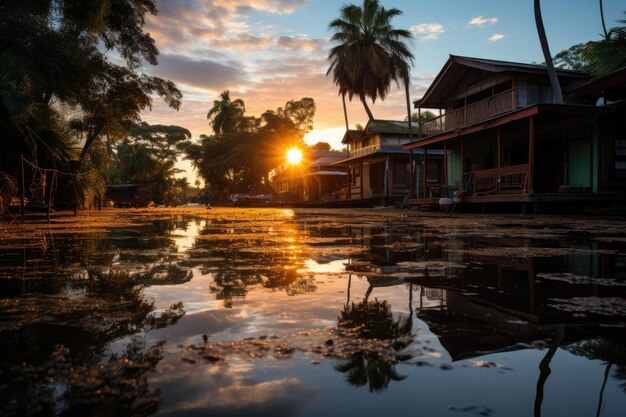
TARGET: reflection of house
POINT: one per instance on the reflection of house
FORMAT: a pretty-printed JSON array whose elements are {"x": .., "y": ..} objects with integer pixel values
[
  {"x": 314, "y": 180},
  {"x": 378, "y": 165},
  {"x": 504, "y": 140}
]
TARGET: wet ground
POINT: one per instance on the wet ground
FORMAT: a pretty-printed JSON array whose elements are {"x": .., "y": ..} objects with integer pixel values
[{"x": 250, "y": 312}]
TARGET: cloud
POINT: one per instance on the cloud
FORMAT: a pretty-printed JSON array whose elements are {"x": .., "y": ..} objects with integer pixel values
[
  {"x": 204, "y": 74},
  {"x": 496, "y": 37},
  {"x": 290, "y": 42},
  {"x": 427, "y": 31},
  {"x": 243, "y": 42},
  {"x": 481, "y": 21},
  {"x": 270, "y": 6}
]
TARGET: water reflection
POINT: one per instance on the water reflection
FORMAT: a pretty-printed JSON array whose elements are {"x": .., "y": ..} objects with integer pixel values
[{"x": 338, "y": 285}]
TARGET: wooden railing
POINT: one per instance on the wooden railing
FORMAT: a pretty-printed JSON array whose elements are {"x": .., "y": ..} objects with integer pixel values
[
  {"x": 497, "y": 181},
  {"x": 364, "y": 151},
  {"x": 472, "y": 113}
]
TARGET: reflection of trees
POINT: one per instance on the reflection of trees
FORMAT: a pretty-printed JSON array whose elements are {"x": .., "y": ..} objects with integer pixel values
[
  {"x": 55, "y": 351},
  {"x": 229, "y": 284},
  {"x": 610, "y": 353},
  {"x": 372, "y": 320},
  {"x": 368, "y": 368}
]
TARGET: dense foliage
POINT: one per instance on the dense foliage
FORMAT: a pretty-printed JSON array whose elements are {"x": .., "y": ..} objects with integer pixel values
[
  {"x": 69, "y": 81},
  {"x": 239, "y": 158}
]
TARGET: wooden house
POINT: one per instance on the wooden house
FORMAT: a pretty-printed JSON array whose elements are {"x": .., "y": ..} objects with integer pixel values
[
  {"x": 377, "y": 163},
  {"x": 505, "y": 141}
]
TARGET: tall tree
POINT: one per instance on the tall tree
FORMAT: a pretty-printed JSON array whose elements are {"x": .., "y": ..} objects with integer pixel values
[
  {"x": 543, "y": 40},
  {"x": 369, "y": 53},
  {"x": 226, "y": 114}
]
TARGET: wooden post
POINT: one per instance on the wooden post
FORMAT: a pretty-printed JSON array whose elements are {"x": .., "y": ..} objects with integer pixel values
[
  {"x": 22, "y": 196},
  {"x": 411, "y": 173},
  {"x": 445, "y": 164},
  {"x": 386, "y": 179},
  {"x": 465, "y": 111},
  {"x": 361, "y": 179},
  {"x": 462, "y": 158},
  {"x": 531, "y": 152},
  {"x": 348, "y": 184},
  {"x": 424, "y": 182},
  {"x": 440, "y": 122},
  {"x": 419, "y": 122},
  {"x": 499, "y": 164}
]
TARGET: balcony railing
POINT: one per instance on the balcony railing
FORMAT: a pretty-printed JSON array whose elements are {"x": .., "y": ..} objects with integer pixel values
[
  {"x": 497, "y": 181},
  {"x": 364, "y": 151},
  {"x": 472, "y": 113}
]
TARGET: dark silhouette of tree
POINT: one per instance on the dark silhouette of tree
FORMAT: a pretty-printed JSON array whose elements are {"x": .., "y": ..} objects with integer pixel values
[{"x": 226, "y": 114}]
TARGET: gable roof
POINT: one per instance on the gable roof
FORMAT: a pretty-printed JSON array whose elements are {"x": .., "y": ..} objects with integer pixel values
[
  {"x": 457, "y": 67},
  {"x": 388, "y": 126},
  {"x": 377, "y": 126}
]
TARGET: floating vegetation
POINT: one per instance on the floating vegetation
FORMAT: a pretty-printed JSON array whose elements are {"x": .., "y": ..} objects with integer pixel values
[
  {"x": 605, "y": 306},
  {"x": 581, "y": 279}
]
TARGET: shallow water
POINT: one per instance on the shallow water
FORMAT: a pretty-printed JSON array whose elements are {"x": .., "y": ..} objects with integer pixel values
[{"x": 312, "y": 312}]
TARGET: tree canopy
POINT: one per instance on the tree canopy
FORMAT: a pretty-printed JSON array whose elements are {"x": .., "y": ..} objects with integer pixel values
[{"x": 240, "y": 159}]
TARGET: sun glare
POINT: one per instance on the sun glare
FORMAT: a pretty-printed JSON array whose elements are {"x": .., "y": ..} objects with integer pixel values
[{"x": 294, "y": 156}]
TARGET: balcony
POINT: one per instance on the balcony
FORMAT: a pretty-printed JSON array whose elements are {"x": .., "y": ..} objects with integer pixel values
[
  {"x": 481, "y": 110},
  {"x": 497, "y": 181}
]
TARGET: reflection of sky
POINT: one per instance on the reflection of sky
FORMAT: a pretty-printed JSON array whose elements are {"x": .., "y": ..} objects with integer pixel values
[
  {"x": 230, "y": 390},
  {"x": 184, "y": 239}
]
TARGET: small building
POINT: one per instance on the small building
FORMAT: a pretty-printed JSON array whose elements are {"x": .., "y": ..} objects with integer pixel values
[
  {"x": 504, "y": 140},
  {"x": 378, "y": 164},
  {"x": 315, "y": 180},
  {"x": 127, "y": 194}
]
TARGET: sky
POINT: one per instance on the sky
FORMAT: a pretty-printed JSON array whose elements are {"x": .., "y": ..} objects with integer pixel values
[{"x": 268, "y": 52}]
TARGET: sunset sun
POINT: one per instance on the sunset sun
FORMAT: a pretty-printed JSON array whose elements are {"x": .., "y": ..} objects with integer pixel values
[{"x": 294, "y": 156}]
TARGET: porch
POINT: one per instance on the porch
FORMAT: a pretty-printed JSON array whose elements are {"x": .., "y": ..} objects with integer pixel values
[{"x": 542, "y": 154}]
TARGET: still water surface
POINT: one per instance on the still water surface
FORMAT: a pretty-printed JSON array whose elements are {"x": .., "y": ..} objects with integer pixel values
[{"x": 251, "y": 312}]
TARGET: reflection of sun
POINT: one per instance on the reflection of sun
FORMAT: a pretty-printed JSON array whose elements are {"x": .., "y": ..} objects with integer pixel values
[{"x": 294, "y": 156}]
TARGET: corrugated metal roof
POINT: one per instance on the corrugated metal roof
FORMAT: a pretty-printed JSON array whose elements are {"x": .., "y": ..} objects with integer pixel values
[
  {"x": 389, "y": 126},
  {"x": 328, "y": 160}
]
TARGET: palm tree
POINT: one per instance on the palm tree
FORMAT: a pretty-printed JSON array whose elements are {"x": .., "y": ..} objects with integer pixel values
[
  {"x": 554, "y": 80},
  {"x": 609, "y": 54},
  {"x": 370, "y": 53},
  {"x": 226, "y": 114}
]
